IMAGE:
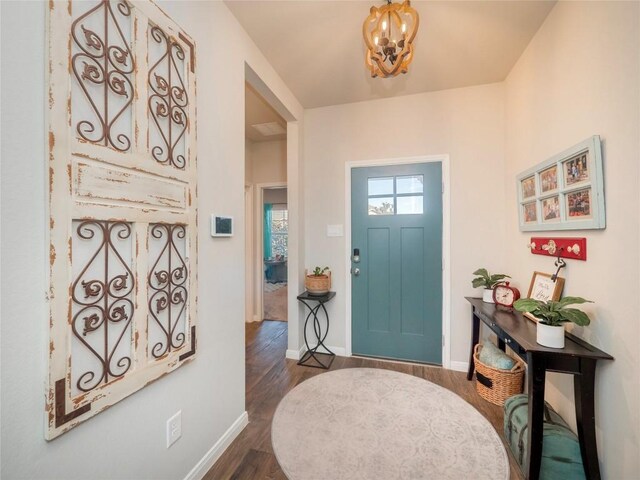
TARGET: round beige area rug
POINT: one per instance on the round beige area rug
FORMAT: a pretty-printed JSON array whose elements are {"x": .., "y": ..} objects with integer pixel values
[{"x": 365, "y": 423}]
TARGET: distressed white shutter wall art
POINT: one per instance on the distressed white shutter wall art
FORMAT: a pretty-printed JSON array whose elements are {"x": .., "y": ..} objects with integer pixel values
[{"x": 122, "y": 203}]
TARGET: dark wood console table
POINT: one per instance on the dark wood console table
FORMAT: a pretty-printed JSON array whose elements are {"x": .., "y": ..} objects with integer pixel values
[{"x": 577, "y": 358}]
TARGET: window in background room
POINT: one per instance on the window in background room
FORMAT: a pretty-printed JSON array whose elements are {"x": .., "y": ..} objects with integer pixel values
[{"x": 279, "y": 230}]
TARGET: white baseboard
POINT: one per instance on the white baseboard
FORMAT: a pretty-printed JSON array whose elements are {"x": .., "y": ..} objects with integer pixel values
[
  {"x": 459, "y": 366},
  {"x": 215, "y": 452},
  {"x": 339, "y": 351},
  {"x": 295, "y": 354}
]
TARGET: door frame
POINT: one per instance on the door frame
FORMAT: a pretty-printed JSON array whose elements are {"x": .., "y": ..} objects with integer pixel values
[
  {"x": 446, "y": 251},
  {"x": 259, "y": 245},
  {"x": 249, "y": 245}
]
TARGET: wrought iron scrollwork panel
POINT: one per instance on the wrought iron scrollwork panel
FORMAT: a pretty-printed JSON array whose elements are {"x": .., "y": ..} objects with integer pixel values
[
  {"x": 103, "y": 66},
  {"x": 168, "y": 99},
  {"x": 168, "y": 288},
  {"x": 102, "y": 295}
]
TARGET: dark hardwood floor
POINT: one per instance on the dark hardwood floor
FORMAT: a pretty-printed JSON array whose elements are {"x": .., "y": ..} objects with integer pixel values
[{"x": 269, "y": 377}]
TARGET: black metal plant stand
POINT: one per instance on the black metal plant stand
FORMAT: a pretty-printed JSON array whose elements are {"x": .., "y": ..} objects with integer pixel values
[{"x": 311, "y": 354}]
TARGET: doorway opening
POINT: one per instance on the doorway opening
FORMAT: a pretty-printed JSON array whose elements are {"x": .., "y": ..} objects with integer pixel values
[
  {"x": 266, "y": 210},
  {"x": 275, "y": 239}
]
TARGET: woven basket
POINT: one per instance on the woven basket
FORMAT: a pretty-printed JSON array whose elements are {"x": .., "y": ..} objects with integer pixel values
[
  {"x": 495, "y": 385},
  {"x": 318, "y": 284}
]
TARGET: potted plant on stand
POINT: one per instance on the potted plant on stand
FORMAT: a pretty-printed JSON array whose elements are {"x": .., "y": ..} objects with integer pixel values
[
  {"x": 488, "y": 281},
  {"x": 318, "y": 282},
  {"x": 552, "y": 316}
]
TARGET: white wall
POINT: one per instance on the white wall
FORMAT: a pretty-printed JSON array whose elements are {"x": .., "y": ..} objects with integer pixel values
[
  {"x": 275, "y": 195},
  {"x": 128, "y": 440},
  {"x": 465, "y": 123},
  {"x": 268, "y": 161},
  {"x": 248, "y": 166},
  {"x": 580, "y": 77}
]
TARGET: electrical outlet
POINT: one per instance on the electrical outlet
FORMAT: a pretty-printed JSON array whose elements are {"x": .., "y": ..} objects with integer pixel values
[{"x": 174, "y": 428}]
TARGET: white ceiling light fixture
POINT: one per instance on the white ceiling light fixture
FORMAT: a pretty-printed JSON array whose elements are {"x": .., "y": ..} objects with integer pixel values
[
  {"x": 269, "y": 129},
  {"x": 389, "y": 32}
]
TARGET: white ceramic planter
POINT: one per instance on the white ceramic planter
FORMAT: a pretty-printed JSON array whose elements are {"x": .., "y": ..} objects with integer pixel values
[
  {"x": 487, "y": 295},
  {"x": 548, "y": 336}
]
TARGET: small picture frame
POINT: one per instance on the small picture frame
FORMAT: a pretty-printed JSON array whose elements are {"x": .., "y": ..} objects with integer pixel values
[
  {"x": 579, "y": 204},
  {"x": 528, "y": 186},
  {"x": 543, "y": 288},
  {"x": 565, "y": 192},
  {"x": 551, "y": 209},
  {"x": 221, "y": 226},
  {"x": 530, "y": 212},
  {"x": 576, "y": 170},
  {"x": 549, "y": 180}
]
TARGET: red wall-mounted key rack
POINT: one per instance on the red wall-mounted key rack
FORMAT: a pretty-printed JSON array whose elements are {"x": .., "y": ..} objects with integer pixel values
[{"x": 573, "y": 248}]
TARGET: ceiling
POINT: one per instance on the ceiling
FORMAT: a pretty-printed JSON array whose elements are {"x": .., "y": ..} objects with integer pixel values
[
  {"x": 258, "y": 111},
  {"x": 318, "y": 50}
]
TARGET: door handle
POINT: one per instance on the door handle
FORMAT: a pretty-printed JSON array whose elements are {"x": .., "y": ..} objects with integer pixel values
[{"x": 355, "y": 271}]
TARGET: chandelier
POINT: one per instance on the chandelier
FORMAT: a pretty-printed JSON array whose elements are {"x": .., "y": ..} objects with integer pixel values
[{"x": 389, "y": 32}]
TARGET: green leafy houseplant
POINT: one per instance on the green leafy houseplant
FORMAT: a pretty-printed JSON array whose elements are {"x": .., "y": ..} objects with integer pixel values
[
  {"x": 318, "y": 271},
  {"x": 486, "y": 280},
  {"x": 554, "y": 313}
]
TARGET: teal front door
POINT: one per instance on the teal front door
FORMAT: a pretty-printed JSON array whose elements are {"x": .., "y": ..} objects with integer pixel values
[{"x": 396, "y": 268}]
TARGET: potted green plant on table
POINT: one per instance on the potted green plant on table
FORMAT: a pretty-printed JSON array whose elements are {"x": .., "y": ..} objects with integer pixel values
[
  {"x": 552, "y": 316},
  {"x": 488, "y": 282},
  {"x": 318, "y": 282}
]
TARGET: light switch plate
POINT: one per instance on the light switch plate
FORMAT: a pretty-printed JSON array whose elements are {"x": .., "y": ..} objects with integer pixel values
[{"x": 335, "y": 230}]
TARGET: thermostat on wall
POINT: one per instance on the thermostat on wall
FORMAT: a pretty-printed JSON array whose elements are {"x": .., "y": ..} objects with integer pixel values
[{"x": 221, "y": 226}]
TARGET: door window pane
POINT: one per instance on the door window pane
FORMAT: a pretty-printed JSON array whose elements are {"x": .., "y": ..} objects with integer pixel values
[
  {"x": 410, "y": 205},
  {"x": 410, "y": 184},
  {"x": 381, "y": 206},
  {"x": 381, "y": 186}
]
